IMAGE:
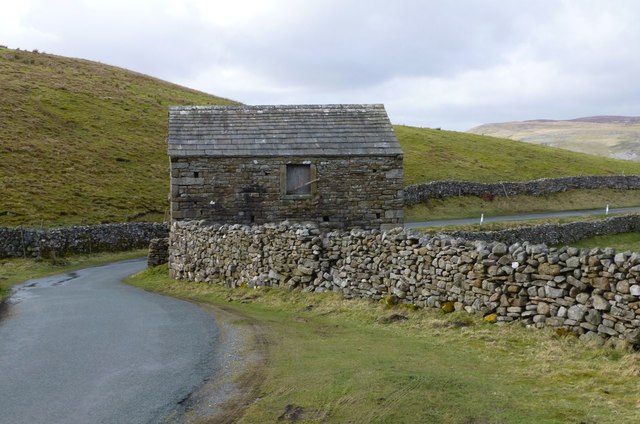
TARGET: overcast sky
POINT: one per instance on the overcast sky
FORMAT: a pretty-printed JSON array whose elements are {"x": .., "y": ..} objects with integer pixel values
[{"x": 452, "y": 64}]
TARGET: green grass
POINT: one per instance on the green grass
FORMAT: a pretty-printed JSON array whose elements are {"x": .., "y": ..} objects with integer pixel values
[
  {"x": 471, "y": 206},
  {"x": 82, "y": 143},
  {"x": 431, "y": 155},
  {"x": 620, "y": 242},
  {"x": 338, "y": 363},
  {"x": 17, "y": 270}
]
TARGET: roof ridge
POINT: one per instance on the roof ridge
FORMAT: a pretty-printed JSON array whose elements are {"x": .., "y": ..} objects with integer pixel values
[{"x": 283, "y": 106}]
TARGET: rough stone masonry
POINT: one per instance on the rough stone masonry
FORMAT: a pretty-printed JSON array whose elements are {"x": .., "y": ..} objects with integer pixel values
[
  {"x": 441, "y": 189},
  {"x": 592, "y": 293},
  {"x": 26, "y": 242},
  {"x": 339, "y": 166}
]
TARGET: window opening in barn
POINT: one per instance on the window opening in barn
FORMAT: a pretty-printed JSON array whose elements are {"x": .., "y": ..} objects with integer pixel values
[{"x": 299, "y": 179}]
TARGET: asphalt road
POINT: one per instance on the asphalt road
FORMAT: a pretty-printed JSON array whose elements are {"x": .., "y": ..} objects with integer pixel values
[
  {"x": 487, "y": 219},
  {"x": 85, "y": 348}
]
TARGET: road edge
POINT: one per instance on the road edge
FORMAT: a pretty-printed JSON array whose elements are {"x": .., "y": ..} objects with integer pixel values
[{"x": 242, "y": 360}]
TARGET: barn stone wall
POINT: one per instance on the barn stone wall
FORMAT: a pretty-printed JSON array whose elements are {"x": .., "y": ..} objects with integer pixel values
[
  {"x": 356, "y": 191},
  {"x": 593, "y": 293}
]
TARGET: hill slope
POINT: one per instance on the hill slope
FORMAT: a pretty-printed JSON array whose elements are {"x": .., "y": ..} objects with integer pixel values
[
  {"x": 609, "y": 136},
  {"x": 439, "y": 155},
  {"x": 80, "y": 140},
  {"x": 83, "y": 142}
]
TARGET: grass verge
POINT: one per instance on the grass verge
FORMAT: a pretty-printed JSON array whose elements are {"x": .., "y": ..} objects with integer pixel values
[
  {"x": 335, "y": 360},
  {"x": 620, "y": 242},
  {"x": 17, "y": 270},
  {"x": 472, "y": 206}
]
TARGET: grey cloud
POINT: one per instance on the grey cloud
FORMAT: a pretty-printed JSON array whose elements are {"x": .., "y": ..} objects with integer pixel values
[
  {"x": 360, "y": 43},
  {"x": 156, "y": 44},
  {"x": 420, "y": 57}
]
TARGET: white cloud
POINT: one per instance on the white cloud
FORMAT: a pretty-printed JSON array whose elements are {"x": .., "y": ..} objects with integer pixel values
[
  {"x": 13, "y": 25},
  {"x": 231, "y": 14}
]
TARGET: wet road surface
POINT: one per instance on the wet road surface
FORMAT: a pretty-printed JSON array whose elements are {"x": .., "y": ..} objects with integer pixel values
[{"x": 85, "y": 348}]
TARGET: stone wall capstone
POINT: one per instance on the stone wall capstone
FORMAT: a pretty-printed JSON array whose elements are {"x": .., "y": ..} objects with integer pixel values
[
  {"x": 24, "y": 242},
  {"x": 440, "y": 189},
  {"x": 593, "y": 293}
]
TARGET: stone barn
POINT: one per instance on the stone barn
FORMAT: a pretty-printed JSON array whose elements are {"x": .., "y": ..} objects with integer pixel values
[{"x": 338, "y": 166}]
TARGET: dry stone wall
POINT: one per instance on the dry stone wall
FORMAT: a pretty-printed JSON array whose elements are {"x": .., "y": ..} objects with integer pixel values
[
  {"x": 592, "y": 293},
  {"x": 440, "y": 189},
  {"x": 555, "y": 234},
  {"x": 24, "y": 242}
]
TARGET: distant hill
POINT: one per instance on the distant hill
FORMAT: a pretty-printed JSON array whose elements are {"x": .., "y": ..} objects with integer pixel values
[
  {"x": 84, "y": 142},
  {"x": 609, "y": 136}
]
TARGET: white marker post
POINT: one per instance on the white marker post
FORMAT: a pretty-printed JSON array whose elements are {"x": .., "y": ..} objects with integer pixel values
[
  {"x": 606, "y": 211},
  {"x": 481, "y": 219}
]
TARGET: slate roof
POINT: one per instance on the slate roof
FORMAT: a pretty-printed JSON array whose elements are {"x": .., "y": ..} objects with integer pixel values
[{"x": 300, "y": 130}]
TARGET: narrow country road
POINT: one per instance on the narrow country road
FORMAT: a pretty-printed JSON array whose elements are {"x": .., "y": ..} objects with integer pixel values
[
  {"x": 524, "y": 217},
  {"x": 84, "y": 348}
]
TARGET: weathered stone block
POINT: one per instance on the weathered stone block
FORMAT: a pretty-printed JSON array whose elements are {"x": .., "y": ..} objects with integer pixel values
[
  {"x": 573, "y": 262},
  {"x": 554, "y": 292},
  {"x": 576, "y": 312},
  {"x": 600, "y": 303}
]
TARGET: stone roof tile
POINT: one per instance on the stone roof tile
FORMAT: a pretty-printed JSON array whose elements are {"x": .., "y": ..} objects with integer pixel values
[{"x": 299, "y": 130}]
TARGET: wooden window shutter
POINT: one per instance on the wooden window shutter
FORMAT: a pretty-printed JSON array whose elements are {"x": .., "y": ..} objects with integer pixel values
[{"x": 298, "y": 179}]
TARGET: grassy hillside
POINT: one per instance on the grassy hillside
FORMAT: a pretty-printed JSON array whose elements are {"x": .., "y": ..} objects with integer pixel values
[
  {"x": 438, "y": 155},
  {"x": 607, "y": 136},
  {"x": 81, "y": 141}
]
